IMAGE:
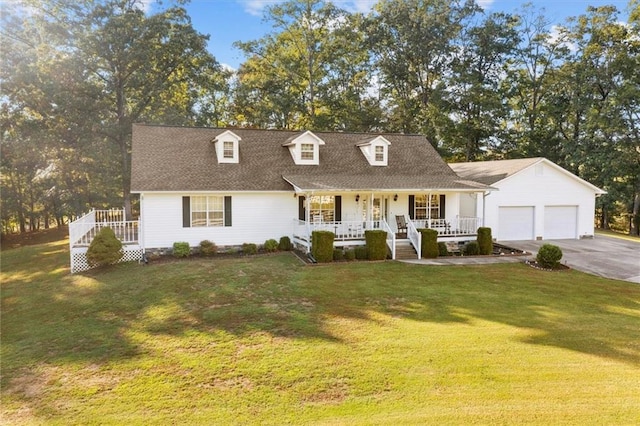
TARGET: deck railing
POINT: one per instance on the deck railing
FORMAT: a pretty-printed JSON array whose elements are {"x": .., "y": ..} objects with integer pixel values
[
  {"x": 458, "y": 226},
  {"x": 84, "y": 229},
  {"x": 350, "y": 230}
]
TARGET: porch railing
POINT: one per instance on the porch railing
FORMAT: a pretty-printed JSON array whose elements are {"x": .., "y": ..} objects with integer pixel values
[
  {"x": 84, "y": 229},
  {"x": 415, "y": 237},
  {"x": 351, "y": 230},
  {"x": 458, "y": 226}
]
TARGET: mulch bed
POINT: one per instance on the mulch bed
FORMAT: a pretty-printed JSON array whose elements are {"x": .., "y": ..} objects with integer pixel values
[{"x": 560, "y": 267}]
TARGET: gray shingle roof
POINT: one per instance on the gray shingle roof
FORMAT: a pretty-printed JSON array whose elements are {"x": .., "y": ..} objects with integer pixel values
[
  {"x": 166, "y": 158},
  {"x": 490, "y": 172}
]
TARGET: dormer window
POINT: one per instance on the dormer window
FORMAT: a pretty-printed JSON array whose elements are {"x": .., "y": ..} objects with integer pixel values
[
  {"x": 306, "y": 151},
  {"x": 305, "y": 148},
  {"x": 227, "y": 147},
  {"x": 375, "y": 150},
  {"x": 379, "y": 154}
]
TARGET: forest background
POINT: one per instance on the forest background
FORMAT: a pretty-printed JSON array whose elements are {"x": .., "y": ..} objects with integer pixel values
[{"x": 76, "y": 75}]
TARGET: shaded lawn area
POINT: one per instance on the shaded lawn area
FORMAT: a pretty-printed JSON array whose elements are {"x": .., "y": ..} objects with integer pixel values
[{"x": 266, "y": 340}]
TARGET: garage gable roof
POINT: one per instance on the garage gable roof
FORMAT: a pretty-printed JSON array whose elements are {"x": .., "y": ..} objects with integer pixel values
[{"x": 493, "y": 172}]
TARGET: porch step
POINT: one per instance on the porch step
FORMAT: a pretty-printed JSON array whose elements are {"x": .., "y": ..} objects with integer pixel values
[{"x": 404, "y": 250}]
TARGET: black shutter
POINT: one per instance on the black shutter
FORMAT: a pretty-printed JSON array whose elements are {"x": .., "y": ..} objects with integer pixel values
[
  {"x": 186, "y": 212},
  {"x": 301, "y": 212},
  {"x": 412, "y": 206},
  {"x": 442, "y": 210},
  {"x": 227, "y": 211},
  {"x": 337, "y": 214}
]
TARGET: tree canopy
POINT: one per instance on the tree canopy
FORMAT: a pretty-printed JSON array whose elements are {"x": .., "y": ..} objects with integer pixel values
[{"x": 479, "y": 85}]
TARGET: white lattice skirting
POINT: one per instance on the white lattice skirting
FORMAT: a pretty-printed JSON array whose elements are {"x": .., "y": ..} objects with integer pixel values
[{"x": 79, "y": 261}]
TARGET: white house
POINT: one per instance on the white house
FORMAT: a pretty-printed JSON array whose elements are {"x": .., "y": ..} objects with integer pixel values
[
  {"x": 535, "y": 199},
  {"x": 235, "y": 186}
]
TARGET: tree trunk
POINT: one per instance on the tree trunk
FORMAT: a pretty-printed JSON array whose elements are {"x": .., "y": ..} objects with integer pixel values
[{"x": 635, "y": 215}]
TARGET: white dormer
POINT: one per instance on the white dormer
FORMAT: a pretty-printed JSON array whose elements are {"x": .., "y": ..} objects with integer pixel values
[
  {"x": 227, "y": 147},
  {"x": 305, "y": 149},
  {"x": 375, "y": 150}
]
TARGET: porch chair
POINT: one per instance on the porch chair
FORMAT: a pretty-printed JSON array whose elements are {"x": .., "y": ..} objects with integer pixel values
[{"x": 401, "y": 224}]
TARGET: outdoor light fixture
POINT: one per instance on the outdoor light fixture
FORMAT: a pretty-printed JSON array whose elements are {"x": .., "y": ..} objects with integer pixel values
[
  {"x": 395, "y": 197},
  {"x": 357, "y": 198}
]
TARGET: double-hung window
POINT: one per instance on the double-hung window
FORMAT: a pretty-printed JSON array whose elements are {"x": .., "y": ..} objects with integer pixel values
[
  {"x": 379, "y": 155},
  {"x": 228, "y": 149},
  {"x": 423, "y": 205},
  {"x": 322, "y": 208},
  {"x": 307, "y": 151},
  {"x": 207, "y": 211}
]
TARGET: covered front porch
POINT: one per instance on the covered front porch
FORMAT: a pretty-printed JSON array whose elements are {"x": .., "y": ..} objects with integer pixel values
[{"x": 349, "y": 214}]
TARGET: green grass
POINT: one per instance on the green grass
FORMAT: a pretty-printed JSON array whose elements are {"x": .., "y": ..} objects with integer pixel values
[{"x": 266, "y": 340}]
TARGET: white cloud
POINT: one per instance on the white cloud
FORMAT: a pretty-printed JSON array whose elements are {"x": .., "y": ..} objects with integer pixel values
[
  {"x": 485, "y": 4},
  {"x": 255, "y": 7}
]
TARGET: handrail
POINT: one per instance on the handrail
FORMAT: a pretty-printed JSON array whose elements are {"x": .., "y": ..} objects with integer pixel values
[
  {"x": 79, "y": 227},
  {"x": 391, "y": 238},
  {"x": 415, "y": 237}
]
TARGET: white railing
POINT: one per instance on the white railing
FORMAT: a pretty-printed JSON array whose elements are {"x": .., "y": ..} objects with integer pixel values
[
  {"x": 458, "y": 226},
  {"x": 81, "y": 226},
  {"x": 126, "y": 232},
  {"x": 111, "y": 215},
  {"x": 415, "y": 237},
  {"x": 84, "y": 229},
  {"x": 351, "y": 230}
]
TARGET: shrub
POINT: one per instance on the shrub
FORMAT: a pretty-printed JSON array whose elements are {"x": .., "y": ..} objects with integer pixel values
[
  {"x": 105, "y": 248},
  {"x": 549, "y": 256},
  {"x": 270, "y": 246},
  {"x": 442, "y": 249},
  {"x": 322, "y": 246},
  {"x": 350, "y": 254},
  {"x": 249, "y": 248},
  {"x": 181, "y": 249},
  {"x": 429, "y": 243},
  {"x": 285, "y": 244},
  {"x": 471, "y": 248},
  {"x": 338, "y": 254},
  {"x": 376, "y": 241},
  {"x": 361, "y": 252},
  {"x": 208, "y": 248},
  {"x": 485, "y": 241}
]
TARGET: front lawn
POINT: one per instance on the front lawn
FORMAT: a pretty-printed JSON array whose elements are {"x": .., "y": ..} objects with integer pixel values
[{"x": 266, "y": 340}]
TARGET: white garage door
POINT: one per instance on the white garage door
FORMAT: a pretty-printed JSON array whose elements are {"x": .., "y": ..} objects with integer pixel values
[
  {"x": 515, "y": 223},
  {"x": 560, "y": 222}
]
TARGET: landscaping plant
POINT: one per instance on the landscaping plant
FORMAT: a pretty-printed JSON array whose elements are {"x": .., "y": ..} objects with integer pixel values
[
  {"x": 471, "y": 248},
  {"x": 285, "y": 244},
  {"x": 249, "y": 248},
  {"x": 549, "y": 256},
  {"x": 105, "y": 248},
  {"x": 270, "y": 246},
  {"x": 322, "y": 246},
  {"x": 181, "y": 249},
  {"x": 208, "y": 248},
  {"x": 376, "y": 244},
  {"x": 429, "y": 243},
  {"x": 485, "y": 241}
]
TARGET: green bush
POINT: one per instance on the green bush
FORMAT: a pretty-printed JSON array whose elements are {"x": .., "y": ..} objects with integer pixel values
[
  {"x": 249, "y": 248},
  {"x": 285, "y": 244},
  {"x": 104, "y": 249},
  {"x": 270, "y": 246},
  {"x": 485, "y": 241},
  {"x": 338, "y": 254},
  {"x": 429, "y": 243},
  {"x": 322, "y": 246},
  {"x": 181, "y": 249},
  {"x": 208, "y": 248},
  {"x": 350, "y": 254},
  {"x": 376, "y": 241},
  {"x": 471, "y": 248},
  {"x": 361, "y": 252},
  {"x": 549, "y": 256},
  {"x": 442, "y": 249}
]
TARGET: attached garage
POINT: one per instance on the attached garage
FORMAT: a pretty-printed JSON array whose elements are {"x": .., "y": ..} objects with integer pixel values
[
  {"x": 560, "y": 222},
  {"x": 532, "y": 199},
  {"x": 515, "y": 223}
]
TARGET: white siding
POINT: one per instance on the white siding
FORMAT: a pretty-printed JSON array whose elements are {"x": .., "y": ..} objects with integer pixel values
[
  {"x": 542, "y": 186},
  {"x": 256, "y": 217}
]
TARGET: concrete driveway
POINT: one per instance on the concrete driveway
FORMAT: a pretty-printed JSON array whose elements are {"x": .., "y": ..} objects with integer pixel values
[{"x": 605, "y": 256}]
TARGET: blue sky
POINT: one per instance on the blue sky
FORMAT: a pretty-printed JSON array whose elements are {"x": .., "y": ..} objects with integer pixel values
[{"x": 227, "y": 21}]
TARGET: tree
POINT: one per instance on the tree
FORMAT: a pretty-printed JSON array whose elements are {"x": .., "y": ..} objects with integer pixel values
[{"x": 85, "y": 71}]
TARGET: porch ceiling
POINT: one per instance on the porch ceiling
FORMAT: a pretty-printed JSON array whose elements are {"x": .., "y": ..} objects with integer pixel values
[{"x": 346, "y": 182}]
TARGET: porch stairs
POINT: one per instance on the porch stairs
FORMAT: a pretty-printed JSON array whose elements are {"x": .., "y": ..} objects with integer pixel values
[{"x": 404, "y": 250}]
